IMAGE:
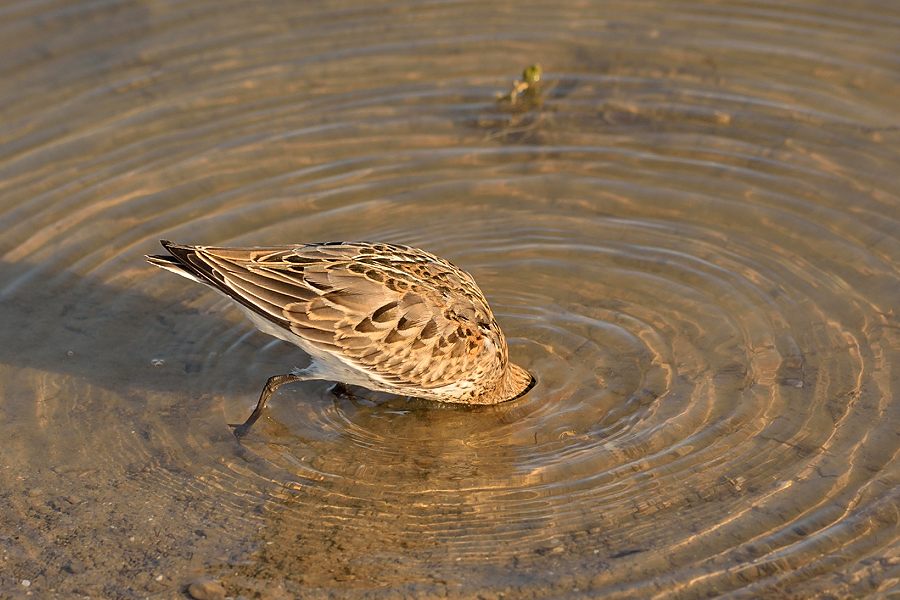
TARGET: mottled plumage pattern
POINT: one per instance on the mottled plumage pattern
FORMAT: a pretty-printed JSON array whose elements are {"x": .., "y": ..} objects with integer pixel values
[{"x": 383, "y": 316}]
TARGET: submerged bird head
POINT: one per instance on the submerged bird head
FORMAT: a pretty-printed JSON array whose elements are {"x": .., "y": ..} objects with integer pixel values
[{"x": 515, "y": 383}]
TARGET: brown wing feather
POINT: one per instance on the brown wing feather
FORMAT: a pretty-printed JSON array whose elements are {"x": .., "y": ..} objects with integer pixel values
[{"x": 383, "y": 308}]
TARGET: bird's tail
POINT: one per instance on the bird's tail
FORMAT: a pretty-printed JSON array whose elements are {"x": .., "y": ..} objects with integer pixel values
[{"x": 171, "y": 263}]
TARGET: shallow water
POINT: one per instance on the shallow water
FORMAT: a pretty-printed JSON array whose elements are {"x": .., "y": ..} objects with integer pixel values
[{"x": 693, "y": 240}]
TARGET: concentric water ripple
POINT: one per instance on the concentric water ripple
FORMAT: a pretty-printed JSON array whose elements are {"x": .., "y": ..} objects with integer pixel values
[{"x": 692, "y": 241}]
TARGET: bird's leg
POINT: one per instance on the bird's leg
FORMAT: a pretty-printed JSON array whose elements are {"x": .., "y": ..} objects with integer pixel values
[{"x": 272, "y": 384}]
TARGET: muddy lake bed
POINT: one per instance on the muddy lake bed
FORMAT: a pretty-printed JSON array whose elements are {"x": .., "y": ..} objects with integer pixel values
[{"x": 690, "y": 233}]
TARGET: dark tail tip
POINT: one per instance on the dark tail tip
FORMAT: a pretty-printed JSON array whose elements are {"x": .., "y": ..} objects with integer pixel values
[
  {"x": 527, "y": 389},
  {"x": 179, "y": 251}
]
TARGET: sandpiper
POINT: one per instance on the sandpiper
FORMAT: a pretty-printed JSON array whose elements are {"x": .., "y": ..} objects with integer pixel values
[{"x": 386, "y": 317}]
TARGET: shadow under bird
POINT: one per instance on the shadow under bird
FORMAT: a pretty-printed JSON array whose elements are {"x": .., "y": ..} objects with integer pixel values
[{"x": 386, "y": 317}]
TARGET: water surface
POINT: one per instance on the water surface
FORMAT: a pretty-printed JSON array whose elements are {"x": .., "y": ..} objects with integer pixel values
[{"x": 693, "y": 241}]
